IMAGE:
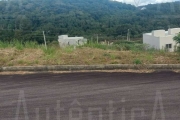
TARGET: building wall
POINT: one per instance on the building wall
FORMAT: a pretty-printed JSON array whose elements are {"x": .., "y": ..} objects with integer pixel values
[
  {"x": 167, "y": 40},
  {"x": 152, "y": 41},
  {"x": 64, "y": 41},
  {"x": 158, "y": 39},
  {"x": 62, "y": 36},
  {"x": 173, "y": 31},
  {"x": 158, "y": 33}
]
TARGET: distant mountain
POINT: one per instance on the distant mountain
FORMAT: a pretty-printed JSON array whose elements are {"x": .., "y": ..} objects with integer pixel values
[{"x": 26, "y": 19}]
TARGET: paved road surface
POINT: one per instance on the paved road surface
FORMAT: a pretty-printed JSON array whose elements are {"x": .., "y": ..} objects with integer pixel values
[{"x": 90, "y": 96}]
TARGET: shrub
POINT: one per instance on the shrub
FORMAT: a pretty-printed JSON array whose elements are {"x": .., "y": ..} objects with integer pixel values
[{"x": 137, "y": 61}]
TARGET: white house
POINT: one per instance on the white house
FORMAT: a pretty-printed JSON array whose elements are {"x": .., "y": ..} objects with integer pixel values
[
  {"x": 64, "y": 41},
  {"x": 161, "y": 39}
]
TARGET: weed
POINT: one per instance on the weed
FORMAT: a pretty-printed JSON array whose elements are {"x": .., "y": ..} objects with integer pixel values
[
  {"x": 114, "y": 62},
  {"x": 21, "y": 62},
  {"x": 69, "y": 49},
  {"x": 36, "y": 61},
  {"x": 106, "y": 55},
  {"x": 100, "y": 46},
  {"x": 31, "y": 44},
  {"x": 137, "y": 61},
  {"x": 49, "y": 52},
  {"x": 4, "y": 44},
  {"x": 10, "y": 64},
  {"x": 149, "y": 57},
  {"x": 3, "y": 61},
  {"x": 112, "y": 56},
  {"x": 91, "y": 53},
  {"x": 118, "y": 57}
]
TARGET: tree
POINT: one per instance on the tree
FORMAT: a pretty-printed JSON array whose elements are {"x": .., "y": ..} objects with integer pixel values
[
  {"x": 22, "y": 19},
  {"x": 177, "y": 40}
]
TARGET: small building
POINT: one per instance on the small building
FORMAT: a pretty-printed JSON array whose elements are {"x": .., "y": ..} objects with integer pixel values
[
  {"x": 161, "y": 39},
  {"x": 64, "y": 41}
]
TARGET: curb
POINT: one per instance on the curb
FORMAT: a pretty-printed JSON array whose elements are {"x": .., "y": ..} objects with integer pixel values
[{"x": 90, "y": 67}]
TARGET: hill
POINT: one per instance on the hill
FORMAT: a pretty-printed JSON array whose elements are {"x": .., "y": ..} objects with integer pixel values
[{"x": 26, "y": 19}]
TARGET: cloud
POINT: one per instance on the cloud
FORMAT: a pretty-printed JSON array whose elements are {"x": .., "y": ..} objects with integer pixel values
[{"x": 144, "y": 2}]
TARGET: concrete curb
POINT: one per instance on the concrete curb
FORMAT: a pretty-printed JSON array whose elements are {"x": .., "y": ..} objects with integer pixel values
[{"x": 90, "y": 67}]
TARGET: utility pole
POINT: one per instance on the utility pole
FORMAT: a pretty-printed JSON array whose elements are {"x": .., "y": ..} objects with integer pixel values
[
  {"x": 45, "y": 40},
  {"x": 128, "y": 36},
  {"x": 97, "y": 39}
]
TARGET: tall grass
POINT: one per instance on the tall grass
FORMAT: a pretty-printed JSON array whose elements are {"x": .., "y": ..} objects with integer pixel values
[
  {"x": 20, "y": 45},
  {"x": 119, "y": 45},
  {"x": 100, "y": 46},
  {"x": 53, "y": 55},
  {"x": 4, "y": 44}
]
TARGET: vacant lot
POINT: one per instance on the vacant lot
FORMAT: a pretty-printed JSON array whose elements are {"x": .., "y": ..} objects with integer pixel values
[
  {"x": 110, "y": 96},
  {"x": 17, "y": 53},
  {"x": 83, "y": 55}
]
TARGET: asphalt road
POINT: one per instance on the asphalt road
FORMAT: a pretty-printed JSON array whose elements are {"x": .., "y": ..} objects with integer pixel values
[{"x": 90, "y": 96}]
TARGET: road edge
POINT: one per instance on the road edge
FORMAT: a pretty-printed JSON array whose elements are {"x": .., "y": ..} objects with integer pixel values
[{"x": 46, "y": 68}]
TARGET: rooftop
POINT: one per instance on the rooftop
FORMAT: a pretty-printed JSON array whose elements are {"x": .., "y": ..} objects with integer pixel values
[{"x": 158, "y": 33}]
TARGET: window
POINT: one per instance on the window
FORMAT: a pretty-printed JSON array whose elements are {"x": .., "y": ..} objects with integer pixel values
[{"x": 168, "y": 46}]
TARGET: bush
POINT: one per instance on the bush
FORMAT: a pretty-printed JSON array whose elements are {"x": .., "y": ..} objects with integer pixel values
[{"x": 137, "y": 61}]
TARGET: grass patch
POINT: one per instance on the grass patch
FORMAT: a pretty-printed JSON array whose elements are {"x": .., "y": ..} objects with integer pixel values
[
  {"x": 69, "y": 49},
  {"x": 21, "y": 62},
  {"x": 137, "y": 61},
  {"x": 49, "y": 53},
  {"x": 19, "y": 45},
  {"x": 119, "y": 45},
  {"x": 100, "y": 46}
]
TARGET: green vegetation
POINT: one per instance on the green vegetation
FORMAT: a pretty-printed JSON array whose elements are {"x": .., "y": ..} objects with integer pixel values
[
  {"x": 30, "y": 53},
  {"x": 26, "y": 19},
  {"x": 177, "y": 39},
  {"x": 137, "y": 61},
  {"x": 119, "y": 45},
  {"x": 18, "y": 44},
  {"x": 22, "y": 23}
]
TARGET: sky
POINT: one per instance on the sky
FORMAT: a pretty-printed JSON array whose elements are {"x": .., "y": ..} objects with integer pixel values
[{"x": 145, "y": 2}]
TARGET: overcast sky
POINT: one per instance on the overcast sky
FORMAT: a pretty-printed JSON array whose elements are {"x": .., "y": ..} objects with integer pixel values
[{"x": 144, "y": 2}]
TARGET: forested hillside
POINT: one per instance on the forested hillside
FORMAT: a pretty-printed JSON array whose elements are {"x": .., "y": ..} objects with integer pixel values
[{"x": 26, "y": 19}]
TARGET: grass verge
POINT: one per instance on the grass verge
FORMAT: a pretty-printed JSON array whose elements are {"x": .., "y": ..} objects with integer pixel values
[{"x": 19, "y": 53}]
